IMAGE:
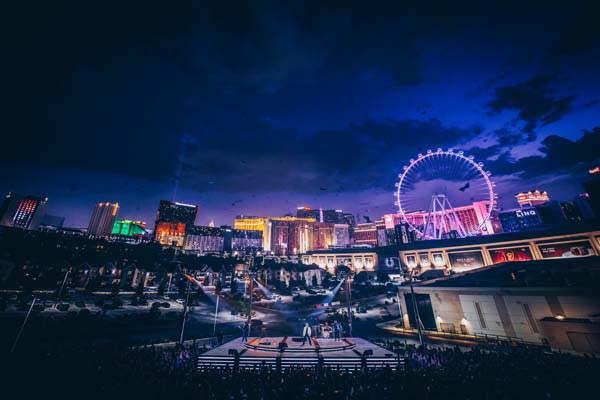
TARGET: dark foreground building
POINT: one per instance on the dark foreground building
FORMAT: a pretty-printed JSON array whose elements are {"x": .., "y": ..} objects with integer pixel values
[{"x": 554, "y": 302}]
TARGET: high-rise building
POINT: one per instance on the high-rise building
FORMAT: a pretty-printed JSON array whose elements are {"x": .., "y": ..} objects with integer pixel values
[
  {"x": 520, "y": 219},
  {"x": 592, "y": 188},
  {"x": 126, "y": 227},
  {"x": 532, "y": 198},
  {"x": 250, "y": 223},
  {"x": 341, "y": 235},
  {"x": 584, "y": 205},
  {"x": 9, "y": 208},
  {"x": 172, "y": 219},
  {"x": 103, "y": 219},
  {"x": 471, "y": 216},
  {"x": 349, "y": 220},
  {"x": 281, "y": 235},
  {"x": 320, "y": 215},
  {"x": 323, "y": 235},
  {"x": 365, "y": 234},
  {"x": 243, "y": 241},
  {"x": 289, "y": 235},
  {"x": 205, "y": 239},
  {"x": 25, "y": 212},
  {"x": 52, "y": 221}
]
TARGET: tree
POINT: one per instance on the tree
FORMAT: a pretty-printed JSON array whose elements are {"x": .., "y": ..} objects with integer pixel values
[
  {"x": 162, "y": 287},
  {"x": 116, "y": 288},
  {"x": 383, "y": 277},
  {"x": 139, "y": 290},
  {"x": 362, "y": 276},
  {"x": 327, "y": 279},
  {"x": 234, "y": 284},
  {"x": 181, "y": 287}
]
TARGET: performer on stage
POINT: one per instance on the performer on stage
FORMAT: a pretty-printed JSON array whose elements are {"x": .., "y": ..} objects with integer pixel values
[
  {"x": 337, "y": 327},
  {"x": 306, "y": 333},
  {"x": 245, "y": 329}
]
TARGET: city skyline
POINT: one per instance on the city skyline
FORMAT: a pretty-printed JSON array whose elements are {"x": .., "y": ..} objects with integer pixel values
[{"x": 210, "y": 107}]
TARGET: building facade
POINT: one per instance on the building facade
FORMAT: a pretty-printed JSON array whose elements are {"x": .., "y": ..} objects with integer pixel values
[
  {"x": 532, "y": 198},
  {"x": 24, "y": 212},
  {"x": 172, "y": 219},
  {"x": 246, "y": 242},
  {"x": 553, "y": 302},
  {"x": 103, "y": 219},
  {"x": 205, "y": 239},
  {"x": 126, "y": 227}
]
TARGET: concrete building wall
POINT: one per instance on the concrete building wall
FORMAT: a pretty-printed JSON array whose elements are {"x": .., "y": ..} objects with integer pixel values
[
  {"x": 482, "y": 315},
  {"x": 525, "y": 314}
]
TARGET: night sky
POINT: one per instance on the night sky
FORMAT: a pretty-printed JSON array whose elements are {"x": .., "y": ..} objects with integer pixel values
[{"x": 257, "y": 109}]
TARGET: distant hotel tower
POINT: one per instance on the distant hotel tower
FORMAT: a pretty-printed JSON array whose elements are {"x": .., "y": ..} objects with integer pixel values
[
  {"x": 172, "y": 218},
  {"x": 531, "y": 199},
  {"x": 103, "y": 219},
  {"x": 25, "y": 212}
]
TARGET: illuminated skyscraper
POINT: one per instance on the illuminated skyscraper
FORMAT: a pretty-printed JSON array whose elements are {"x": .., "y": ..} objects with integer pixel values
[
  {"x": 532, "y": 198},
  {"x": 103, "y": 219},
  {"x": 125, "y": 227},
  {"x": 172, "y": 218},
  {"x": 365, "y": 234},
  {"x": 281, "y": 235},
  {"x": 243, "y": 241},
  {"x": 471, "y": 217},
  {"x": 205, "y": 239},
  {"x": 25, "y": 212},
  {"x": 320, "y": 215}
]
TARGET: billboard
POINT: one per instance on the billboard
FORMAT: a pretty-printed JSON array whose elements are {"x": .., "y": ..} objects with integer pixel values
[
  {"x": 411, "y": 260},
  {"x": 424, "y": 260},
  {"x": 438, "y": 259},
  {"x": 582, "y": 248},
  {"x": 465, "y": 261},
  {"x": 511, "y": 254}
]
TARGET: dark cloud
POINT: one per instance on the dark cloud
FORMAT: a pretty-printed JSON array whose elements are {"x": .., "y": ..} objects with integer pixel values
[
  {"x": 252, "y": 97},
  {"x": 559, "y": 155},
  {"x": 537, "y": 101},
  {"x": 261, "y": 157},
  {"x": 510, "y": 137}
]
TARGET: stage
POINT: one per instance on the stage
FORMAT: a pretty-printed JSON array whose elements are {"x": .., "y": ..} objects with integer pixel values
[{"x": 288, "y": 351}]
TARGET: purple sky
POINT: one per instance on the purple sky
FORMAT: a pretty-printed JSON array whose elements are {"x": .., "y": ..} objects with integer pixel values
[{"x": 259, "y": 109}]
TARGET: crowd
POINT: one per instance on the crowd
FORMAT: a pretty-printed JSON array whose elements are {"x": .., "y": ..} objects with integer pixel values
[{"x": 111, "y": 371}]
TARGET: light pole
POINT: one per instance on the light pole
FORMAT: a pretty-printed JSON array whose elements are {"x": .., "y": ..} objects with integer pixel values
[
  {"x": 62, "y": 286},
  {"x": 185, "y": 310},
  {"x": 250, "y": 305},
  {"x": 14, "y": 346},
  {"x": 416, "y": 309},
  {"x": 349, "y": 303},
  {"x": 169, "y": 285},
  {"x": 399, "y": 307},
  {"x": 216, "y": 313}
]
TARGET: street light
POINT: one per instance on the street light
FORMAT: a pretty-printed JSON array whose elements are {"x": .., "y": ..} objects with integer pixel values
[
  {"x": 62, "y": 286},
  {"x": 415, "y": 308},
  {"x": 14, "y": 346},
  {"x": 185, "y": 311},
  {"x": 349, "y": 302}
]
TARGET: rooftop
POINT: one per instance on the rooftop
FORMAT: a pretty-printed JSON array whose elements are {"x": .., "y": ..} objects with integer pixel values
[{"x": 571, "y": 272}]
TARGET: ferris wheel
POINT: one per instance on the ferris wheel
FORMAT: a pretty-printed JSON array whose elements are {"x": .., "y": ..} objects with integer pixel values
[{"x": 445, "y": 193}]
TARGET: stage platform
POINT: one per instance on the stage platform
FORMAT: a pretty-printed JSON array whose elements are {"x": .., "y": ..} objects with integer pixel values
[{"x": 287, "y": 351}]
